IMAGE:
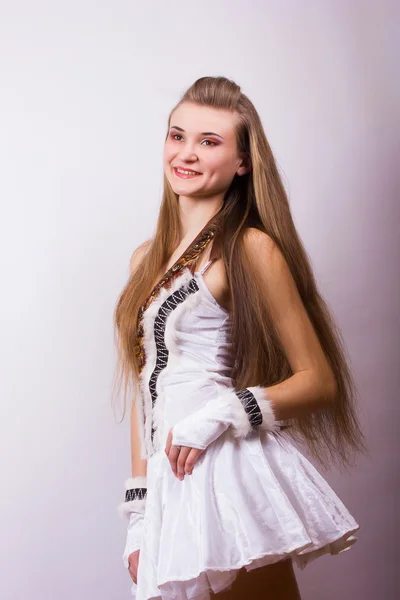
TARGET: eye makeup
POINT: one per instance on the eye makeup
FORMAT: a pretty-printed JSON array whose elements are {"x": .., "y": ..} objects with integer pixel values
[
  {"x": 175, "y": 135},
  {"x": 205, "y": 133}
]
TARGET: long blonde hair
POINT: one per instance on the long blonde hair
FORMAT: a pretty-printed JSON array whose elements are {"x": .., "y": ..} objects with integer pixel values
[{"x": 259, "y": 200}]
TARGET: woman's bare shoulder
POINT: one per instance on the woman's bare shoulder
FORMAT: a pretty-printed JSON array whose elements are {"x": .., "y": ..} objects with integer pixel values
[
  {"x": 260, "y": 247},
  {"x": 254, "y": 237},
  {"x": 138, "y": 254}
]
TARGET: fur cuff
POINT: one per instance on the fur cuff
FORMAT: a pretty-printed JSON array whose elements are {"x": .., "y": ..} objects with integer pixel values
[
  {"x": 268, "y": 417},
  {"x": 136, "y": 489},
  {"x": 241, "y": 425}
]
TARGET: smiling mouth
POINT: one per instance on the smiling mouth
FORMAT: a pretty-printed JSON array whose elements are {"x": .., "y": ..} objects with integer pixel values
[{"x": 185, "y": 173}]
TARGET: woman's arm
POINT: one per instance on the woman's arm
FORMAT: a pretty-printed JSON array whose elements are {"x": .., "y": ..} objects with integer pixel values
[
  {"x": 313, "y": 383},
  {"x": 139, "y": 466},
  {"x": 311, "y": 387},
  {"x": 136, "y": 486}
]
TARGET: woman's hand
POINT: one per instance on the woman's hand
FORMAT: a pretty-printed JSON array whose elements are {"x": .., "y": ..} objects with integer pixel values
[
  {"x": 133, "y": 561},
  {"x": 182, "y": 458}
]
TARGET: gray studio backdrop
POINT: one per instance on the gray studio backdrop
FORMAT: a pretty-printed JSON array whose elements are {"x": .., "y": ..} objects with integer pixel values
[{"x": 85, "y": 92}]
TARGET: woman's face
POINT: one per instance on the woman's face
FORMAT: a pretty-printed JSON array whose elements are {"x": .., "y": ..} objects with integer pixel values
[{"x": 202, "y": 141}]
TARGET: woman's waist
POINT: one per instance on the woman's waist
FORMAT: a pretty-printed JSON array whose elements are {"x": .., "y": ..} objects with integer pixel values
[{"x": 195, "y": 377}]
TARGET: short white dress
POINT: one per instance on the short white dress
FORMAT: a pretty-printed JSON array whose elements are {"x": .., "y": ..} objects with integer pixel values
[{"x": 249, "y": 502}]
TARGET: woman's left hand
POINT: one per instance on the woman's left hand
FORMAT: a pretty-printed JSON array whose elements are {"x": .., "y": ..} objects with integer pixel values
[{"x": 182, "y": 458}]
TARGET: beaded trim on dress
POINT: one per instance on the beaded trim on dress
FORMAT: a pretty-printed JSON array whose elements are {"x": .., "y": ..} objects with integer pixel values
[{"x": 160, "y": 322}]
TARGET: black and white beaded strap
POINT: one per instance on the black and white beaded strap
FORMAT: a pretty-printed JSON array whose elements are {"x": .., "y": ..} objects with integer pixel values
[
  {"x": 251, "y": 406},
  {"x": 135, "y": 496},
  {"x": 258, "y": 407},
  {"x": 167, "y": 307}
]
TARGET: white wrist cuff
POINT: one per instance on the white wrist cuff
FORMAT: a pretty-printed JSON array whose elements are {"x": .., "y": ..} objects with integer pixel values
[
  {"x": 265, "y": 406},
  {"x": 135, "y": 496}
]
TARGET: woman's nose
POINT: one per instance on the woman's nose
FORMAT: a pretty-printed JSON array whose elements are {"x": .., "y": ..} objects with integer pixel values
[{"x": 187, "y": 153}]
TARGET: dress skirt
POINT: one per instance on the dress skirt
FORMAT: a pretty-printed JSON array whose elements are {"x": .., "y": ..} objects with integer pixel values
[{"x": 247, "y": 503}]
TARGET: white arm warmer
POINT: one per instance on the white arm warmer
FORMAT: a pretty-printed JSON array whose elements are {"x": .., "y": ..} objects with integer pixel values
[
  {"x": 242, "y": 410},
  {"x": 133, "y": 509}
]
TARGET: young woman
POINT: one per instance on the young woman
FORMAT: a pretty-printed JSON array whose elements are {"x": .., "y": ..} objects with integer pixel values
[{"x": 234, "y": 355}]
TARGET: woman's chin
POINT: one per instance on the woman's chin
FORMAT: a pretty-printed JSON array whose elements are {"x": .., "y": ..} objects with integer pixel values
[{"x": 184, "y": 190}]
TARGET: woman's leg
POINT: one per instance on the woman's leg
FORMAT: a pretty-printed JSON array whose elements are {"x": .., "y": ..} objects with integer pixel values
[{"x": 272, "y": 582}]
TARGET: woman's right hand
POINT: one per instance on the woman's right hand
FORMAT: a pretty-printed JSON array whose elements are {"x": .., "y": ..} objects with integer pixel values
[{"x": 133, "y": 561}]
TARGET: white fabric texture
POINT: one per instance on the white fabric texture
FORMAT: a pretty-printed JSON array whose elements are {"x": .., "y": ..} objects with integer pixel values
[
  {"x": 133, "y": 536},
  {"x": 250, "y": 501}
]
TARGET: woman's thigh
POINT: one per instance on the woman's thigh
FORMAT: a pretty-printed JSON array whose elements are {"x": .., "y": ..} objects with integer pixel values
[{"x": 272, "y": 582}]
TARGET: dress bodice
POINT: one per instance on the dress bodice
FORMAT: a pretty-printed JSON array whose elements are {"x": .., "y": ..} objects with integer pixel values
[{"x": 202, "y": 335}]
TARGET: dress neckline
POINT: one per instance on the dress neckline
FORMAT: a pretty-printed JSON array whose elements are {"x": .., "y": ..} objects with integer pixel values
[{"x": 189, "y": 256}]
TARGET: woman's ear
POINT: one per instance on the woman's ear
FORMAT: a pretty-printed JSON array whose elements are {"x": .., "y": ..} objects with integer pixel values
[{"x": 245, "y": 165}]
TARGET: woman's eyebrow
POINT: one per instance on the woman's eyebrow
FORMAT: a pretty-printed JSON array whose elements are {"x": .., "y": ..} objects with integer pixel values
[{"x": 203, "y": 133}]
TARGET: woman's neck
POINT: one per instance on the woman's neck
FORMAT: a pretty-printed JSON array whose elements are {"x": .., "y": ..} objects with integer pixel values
[{"x": 195, "y": 214}]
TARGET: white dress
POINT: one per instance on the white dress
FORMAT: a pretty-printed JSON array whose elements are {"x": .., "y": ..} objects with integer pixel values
[{"x": 248, "y": 502}]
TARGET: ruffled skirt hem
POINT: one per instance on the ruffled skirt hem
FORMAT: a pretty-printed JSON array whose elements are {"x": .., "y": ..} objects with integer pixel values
[{"x": 199, "y": 586}]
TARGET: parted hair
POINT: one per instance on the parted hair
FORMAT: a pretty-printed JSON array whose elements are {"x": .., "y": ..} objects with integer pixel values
[{"x": 257, "y": 200}]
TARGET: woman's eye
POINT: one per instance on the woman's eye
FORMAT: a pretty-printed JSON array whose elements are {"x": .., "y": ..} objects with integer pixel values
[{"x": 177, "y": 137}]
